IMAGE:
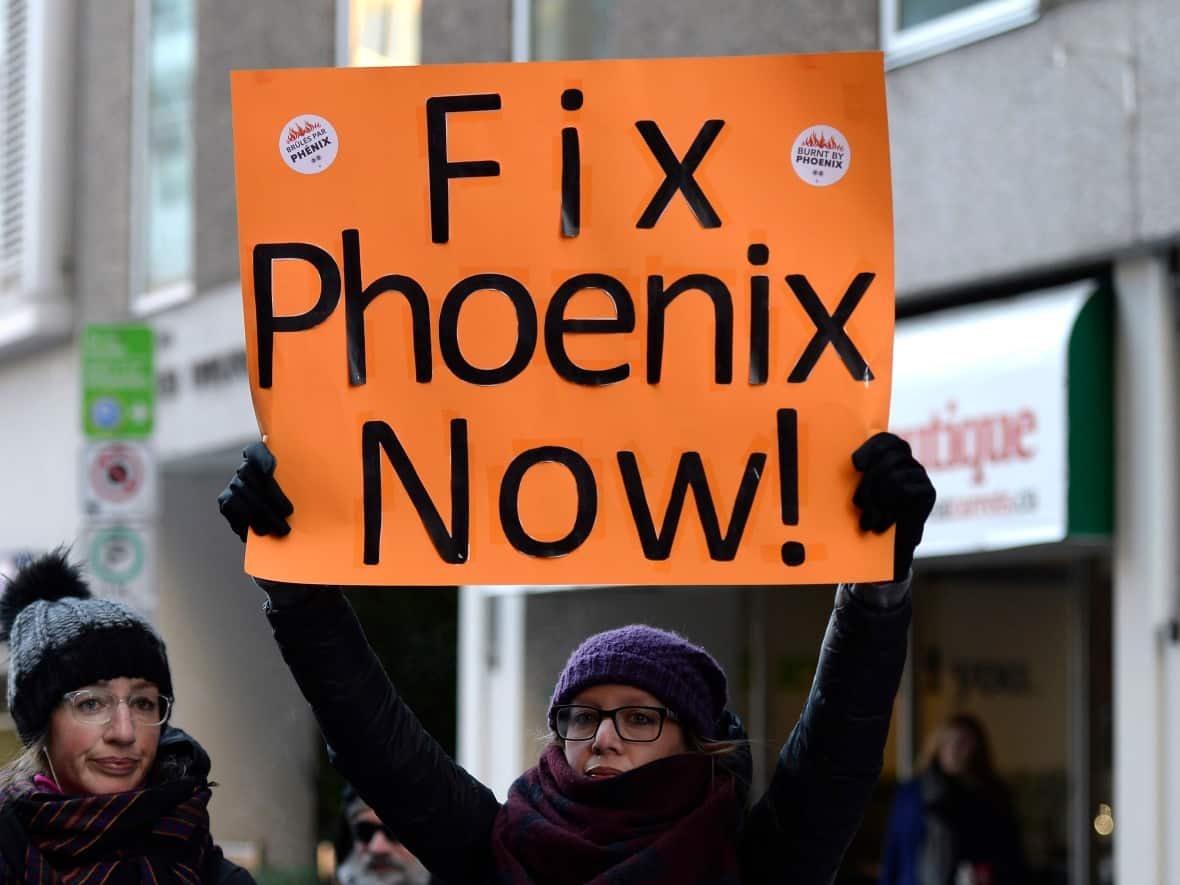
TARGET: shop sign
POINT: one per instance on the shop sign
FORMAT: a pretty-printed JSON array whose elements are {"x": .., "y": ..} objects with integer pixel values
[{"x": 983, "y": 394}]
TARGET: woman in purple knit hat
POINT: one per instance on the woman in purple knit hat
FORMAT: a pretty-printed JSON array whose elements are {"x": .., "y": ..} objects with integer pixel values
[{"x": 646, "y": 777}]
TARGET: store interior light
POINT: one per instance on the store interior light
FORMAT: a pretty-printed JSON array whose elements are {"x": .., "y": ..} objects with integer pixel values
[{"x": 1104, "y": 820}]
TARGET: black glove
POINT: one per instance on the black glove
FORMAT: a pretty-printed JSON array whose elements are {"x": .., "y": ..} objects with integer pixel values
[
  {"x": 894, "y": 490},
  {"x": 253, "y": 499}
]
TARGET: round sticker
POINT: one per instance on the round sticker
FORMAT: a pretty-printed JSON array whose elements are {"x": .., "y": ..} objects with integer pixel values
[
  {"x": 308, "y": 144},
  {"x": 821, "y": 155}
]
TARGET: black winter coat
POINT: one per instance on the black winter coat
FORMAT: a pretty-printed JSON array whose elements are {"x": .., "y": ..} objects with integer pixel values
[
  {"x": 796, "y": 833},
  {"x": 177, "y": 755}
]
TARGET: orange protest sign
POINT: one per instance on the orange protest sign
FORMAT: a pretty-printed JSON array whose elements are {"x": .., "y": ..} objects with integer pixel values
[{"x": 566, "y": 323}]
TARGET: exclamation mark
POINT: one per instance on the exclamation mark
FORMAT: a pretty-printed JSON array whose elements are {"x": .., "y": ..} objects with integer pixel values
[{"x": 788, "y": 481}]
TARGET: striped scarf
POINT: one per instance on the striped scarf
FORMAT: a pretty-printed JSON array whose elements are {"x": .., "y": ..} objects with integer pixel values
[{"x": 158, "y": 834}]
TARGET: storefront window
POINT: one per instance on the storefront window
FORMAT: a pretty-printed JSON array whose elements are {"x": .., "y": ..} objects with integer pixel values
[
  {"x": 167, "y": 203},
  {"x": 380, "y": 33},
  {"x": 1011, "y": 647},
  {"x": 915, "y": 29}
]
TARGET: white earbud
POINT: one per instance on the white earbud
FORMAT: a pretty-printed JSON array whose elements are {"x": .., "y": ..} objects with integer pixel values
[{"x": 49, "y": 762}]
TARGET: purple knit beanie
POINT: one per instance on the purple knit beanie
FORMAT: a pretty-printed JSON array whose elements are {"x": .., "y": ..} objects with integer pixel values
[{"x": 683, "y": 676}]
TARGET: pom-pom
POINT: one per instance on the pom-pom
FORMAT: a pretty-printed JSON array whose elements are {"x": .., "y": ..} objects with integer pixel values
[{"x": 47, "y": 577}]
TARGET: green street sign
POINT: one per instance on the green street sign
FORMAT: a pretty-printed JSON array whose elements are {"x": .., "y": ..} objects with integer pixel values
[{"x": 118, "y": 382}]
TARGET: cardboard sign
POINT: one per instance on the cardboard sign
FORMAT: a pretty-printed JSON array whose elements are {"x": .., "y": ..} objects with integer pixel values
[{"x": 561, "y": 323}]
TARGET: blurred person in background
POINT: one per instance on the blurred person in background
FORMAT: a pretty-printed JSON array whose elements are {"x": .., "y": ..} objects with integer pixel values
[
  {"x": 103, "y": 790},
  {"x": 369, "y": 853},
  {"x": 646, "y": 775},
  {"x": 954, "y": 823}
]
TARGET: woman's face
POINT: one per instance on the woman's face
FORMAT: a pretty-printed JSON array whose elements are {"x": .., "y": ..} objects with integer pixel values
[
  {"x": 606, "y": 754},
  {"x": 958, "y": 748},
  {"x": 112, "y": 757}
]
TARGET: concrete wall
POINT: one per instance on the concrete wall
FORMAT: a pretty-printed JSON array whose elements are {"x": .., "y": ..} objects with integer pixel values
[
  {"x": 1155, "y": 30},
  {"x": 231, "y": 35},
  {"x": 649, "y": 28},
  {"x": 233, "y": 691},
  {"x": 474, "y": 30},
  {"x": 466, "y": 30},
  {"x": 1146, "y": 715},
  {"x": 1044, "y": 146},
  {"x": 101, "y": 199},
  {"x": 39, "y": 448},
  {"x": 1038, "y": 148}
]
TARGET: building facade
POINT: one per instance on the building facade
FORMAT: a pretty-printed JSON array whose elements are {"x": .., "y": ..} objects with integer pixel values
[
  {"x": 1035, "y": 241},
  {"x": 118, "y": 204}
]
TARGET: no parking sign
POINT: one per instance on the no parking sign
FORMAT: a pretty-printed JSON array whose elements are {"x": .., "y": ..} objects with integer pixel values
[{"x": 118, "y": 480}]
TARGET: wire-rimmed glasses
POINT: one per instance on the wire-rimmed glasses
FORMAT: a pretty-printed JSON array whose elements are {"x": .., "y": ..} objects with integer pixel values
[{"x": 96, "y": 706}]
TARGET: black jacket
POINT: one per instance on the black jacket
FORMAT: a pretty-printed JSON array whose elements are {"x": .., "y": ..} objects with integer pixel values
[
  {"x": 795, "y": 833},
  {"x": 179, "y": 755}
]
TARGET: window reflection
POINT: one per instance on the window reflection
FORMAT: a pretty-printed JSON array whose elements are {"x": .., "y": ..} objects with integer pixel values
[
  {"x": 384, "y": 32},
  {"x": 915, "y": 12},
  {"x": 168, "y": 209}
]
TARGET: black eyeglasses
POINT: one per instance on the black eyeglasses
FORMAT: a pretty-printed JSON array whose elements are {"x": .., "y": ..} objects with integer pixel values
[
  {"x": 574, "y": 722},
  {"x": 365, "y": 830}
]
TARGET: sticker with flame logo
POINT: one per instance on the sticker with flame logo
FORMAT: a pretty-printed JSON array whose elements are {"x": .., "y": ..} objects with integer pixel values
[
  {"x": 308, "y": 144},
  {"x": 821, "y": 155}
]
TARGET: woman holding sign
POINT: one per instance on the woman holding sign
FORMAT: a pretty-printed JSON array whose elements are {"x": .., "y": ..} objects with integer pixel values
[{"x": 646, "y": 776}]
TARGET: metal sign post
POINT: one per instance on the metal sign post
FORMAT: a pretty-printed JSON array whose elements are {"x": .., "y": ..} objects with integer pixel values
[{"x": 118, "y": 483}]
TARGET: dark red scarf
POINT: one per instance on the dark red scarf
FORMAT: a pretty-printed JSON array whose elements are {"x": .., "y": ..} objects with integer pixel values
[
  {"x": 158, "y": 834},
  {"x": 670, "y": 822}
]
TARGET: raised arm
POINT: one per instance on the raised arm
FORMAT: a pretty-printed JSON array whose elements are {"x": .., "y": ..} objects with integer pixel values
[
  {"x": 799, "y": 830},
  {"x": 441, "y": 813}
]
